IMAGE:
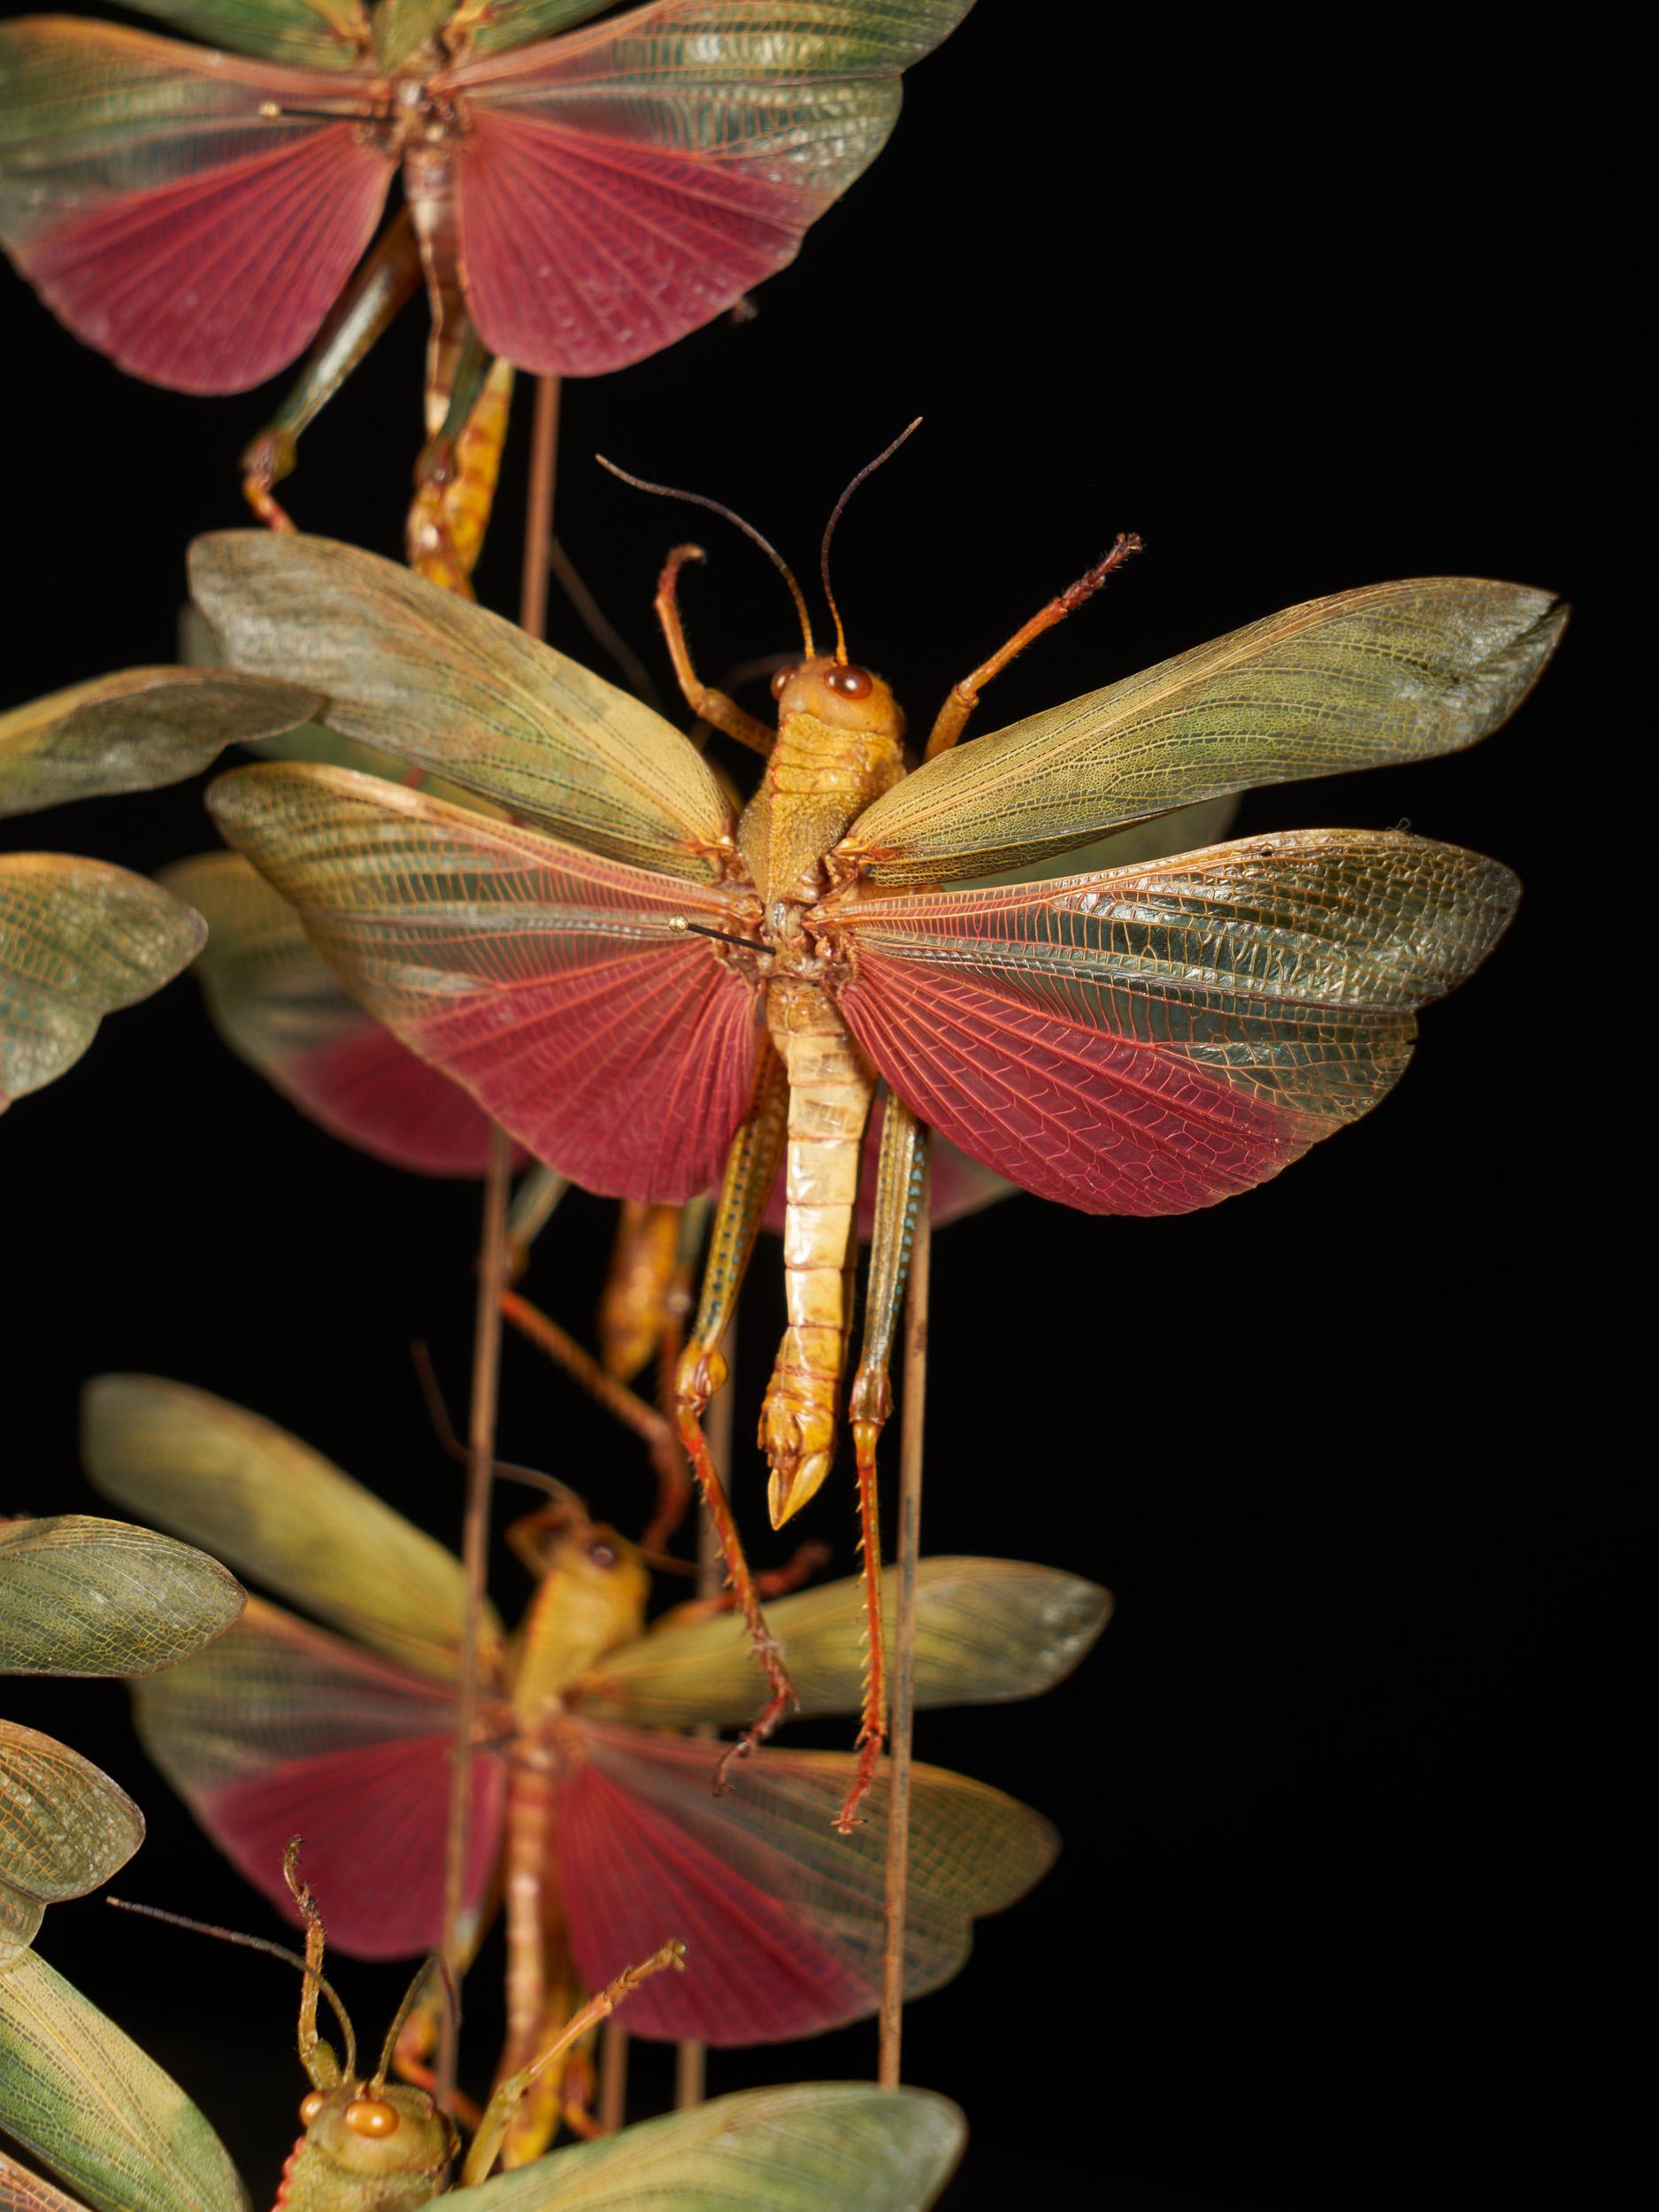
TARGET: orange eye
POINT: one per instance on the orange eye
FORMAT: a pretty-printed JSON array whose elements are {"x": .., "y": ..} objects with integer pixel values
[
  {"x": 781, "y": 681},
  {"x": 852, "y": 683},
  {"x": 310, "y": 2106},
  {"x": 372, "y": 2116}
]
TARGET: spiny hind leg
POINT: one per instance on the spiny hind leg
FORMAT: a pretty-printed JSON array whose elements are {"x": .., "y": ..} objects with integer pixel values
[{"x": 900, "y": 1187}]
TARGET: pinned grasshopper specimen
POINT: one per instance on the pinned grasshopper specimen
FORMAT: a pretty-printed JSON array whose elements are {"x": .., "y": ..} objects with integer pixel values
[
  {"x": 103, "y": 2117},
  {"x": 80, "y": 938},
  {"x": 574, "y": 202},
  {"x": 604, "y": 1826},
  {"x": 642, "y": 988},
  {"x": 79, "y": 1595}
]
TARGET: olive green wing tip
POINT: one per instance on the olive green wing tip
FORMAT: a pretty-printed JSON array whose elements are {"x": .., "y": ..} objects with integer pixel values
[{"x": 83, "y": 1595}]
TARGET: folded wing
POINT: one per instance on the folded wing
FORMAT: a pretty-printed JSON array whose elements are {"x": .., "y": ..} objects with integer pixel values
[
  {"x": 1153, "y": 1040},
  {"x": 782, "y": 1916},
  {"x": 563, "y": 990},
  {"x": 1395, "y": 672},
  {"x": 190, "y": 214}
]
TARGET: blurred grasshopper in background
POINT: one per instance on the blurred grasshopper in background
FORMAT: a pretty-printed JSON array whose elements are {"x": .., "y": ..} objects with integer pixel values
[
  {"x": 639, "y": 986},
  {"x": 602, "y": 1825},
  {"x": 79, "y": 1595},
  {"x": 95, "y": 2110},
  {"x": 80, "y": 938},
  {"x": 574, "y": 202}
]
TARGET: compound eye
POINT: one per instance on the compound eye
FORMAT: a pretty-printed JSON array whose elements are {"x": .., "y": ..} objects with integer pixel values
[
  {"x": 851, "y": 682},
  {"x": 781, "y": 680},
  {"x": 602, "y": 1554},
  {"x": 372, "y": 2116},
  {"x": 311, "y": 2106}
]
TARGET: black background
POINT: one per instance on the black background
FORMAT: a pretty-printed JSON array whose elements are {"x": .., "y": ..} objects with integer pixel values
[{"x": 1342, "y": 1905}]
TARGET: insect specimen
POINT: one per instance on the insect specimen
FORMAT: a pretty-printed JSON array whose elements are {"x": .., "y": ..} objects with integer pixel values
[
  {"x": 80, "y": 1595},
  {"x": 80, "y": 938},
  {"x": 96, "y": 2110},
  {"x": 605, "y": 1826},
  {"x": 639, "y": 988}
]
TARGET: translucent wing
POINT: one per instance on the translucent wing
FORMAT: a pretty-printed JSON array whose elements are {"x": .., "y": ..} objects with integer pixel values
[
  {"x": 191, "y": 215},
  {"x": 23, "y": 2192},
  {"x": 132, "y": 731},
  {"x": 90, "y": 2105},
  {"x": 308, "y": 34},
  {"x": 280, "y": 1730},
  {"x": 279, "y": 1007},
  {"x": 818, "y": 2147},
  {"x": 78, "y": 939},
  {"x": 86, "y": 1596},
  {"x": 987, "y": 1630},
  {"x": 277, "y": 1508},
  {"x": 452, "y": 687},
  {"x": 65, "y": 1828},
  {"x": 508, "y": 23},
  {"x": 563, "y": 990},
  {"x": 623, "y": 185},
  {"x": 782, "y": 1916},
  {"x": 1395, "y": 672},
  {"x": 1153, "y": 1040}
]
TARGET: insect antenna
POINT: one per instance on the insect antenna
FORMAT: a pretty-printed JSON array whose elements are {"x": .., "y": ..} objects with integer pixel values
[
  {"x": 868, "y": 470},
  {"x": 697, "y": 499},
  {"x": 253, "y": 1943},
  {"x": 436, "y": 1963},
  {"x": 503, "y": 1470}
]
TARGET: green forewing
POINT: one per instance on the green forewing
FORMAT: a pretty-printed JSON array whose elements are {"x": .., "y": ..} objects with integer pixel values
[
  {"x": 65, "y": 1828},
  {"x": 452, "y": 688},
  {"x": 88, "y": 2102},
  {"x": 78, "y": 939},
  {"x": 819, "y": 2147},
  {"x": 278, "y": 1510},
  {"x": 134, "y": 730},
  {"x": 1395, "y": 672},
  {"x": 305, "y": 34},
  {"x": 83, "y": 1595},
  {"x": 987, "y": 1630}
]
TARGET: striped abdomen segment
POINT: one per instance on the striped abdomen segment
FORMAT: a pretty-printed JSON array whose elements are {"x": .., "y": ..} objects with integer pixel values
[{"x": 831, "y": 1085}]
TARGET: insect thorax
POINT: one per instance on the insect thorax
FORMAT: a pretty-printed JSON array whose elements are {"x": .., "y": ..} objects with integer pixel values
[{"x": 820, "y": 780}]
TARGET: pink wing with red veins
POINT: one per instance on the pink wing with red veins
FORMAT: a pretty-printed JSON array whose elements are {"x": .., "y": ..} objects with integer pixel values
[
  {"x": 191, "y": 214},
  {"x": 278, "y": 1730},
  {"x": 782, "y": 1919},
  {"x": 1153, "y": 1039},
  {"x": 562, "y": 989}
]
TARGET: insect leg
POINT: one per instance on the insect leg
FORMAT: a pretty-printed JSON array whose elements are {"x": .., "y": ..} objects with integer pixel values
[
  {"x": 482, "y": 2154},
  {"x": 632, "y": 1311},
  {"x": 963, "y": 697},
  {"x": 716, "y": 707},
  {"x": 381, "y": 288},
  {"x": 900, "y": 1178},
  {"x": 751, "y": 1170},
  {"x": 456, "y": 474},
  {"x": 673, "y": 1491}
]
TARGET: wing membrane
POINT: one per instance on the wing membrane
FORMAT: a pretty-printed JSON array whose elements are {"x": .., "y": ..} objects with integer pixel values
[
  {"x": 132, "y": 731},
  {"x": 191, "y": 215},
  {"x": 1153, "y": 1040},
  {"x": 272, "y": 1505},
  {"x": 279, "y": 1007},
  {"x": 987, "y": 1630},
  {"x": 1395, "y": 672},
  {"x": 817, "y": 2146},
  {"x": 278, "y": 1730},
  {"x": 623, "y": 185},
  {"x": 556, "y": 987},
  {"x": 308, "y": 34},
  {"x": 66, "y": 1829},
  {"x": 783, "y": 1917},
  {"x": 452, "y": 687},
  {"x": 89, "y": 2103},
  {"x": 85, "y": 1596},
  {"x": 78, "y": 940}
]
